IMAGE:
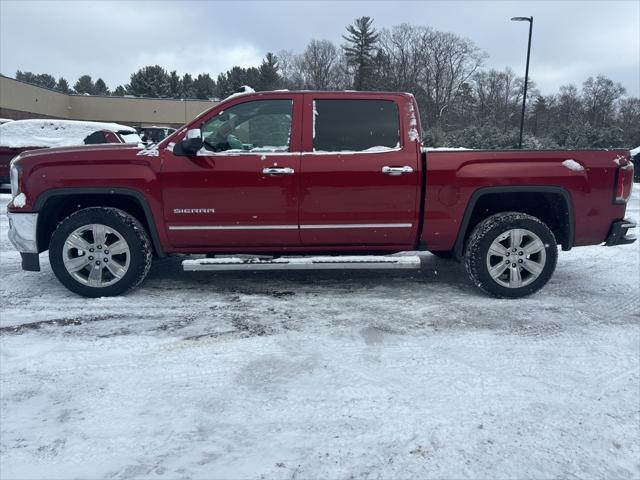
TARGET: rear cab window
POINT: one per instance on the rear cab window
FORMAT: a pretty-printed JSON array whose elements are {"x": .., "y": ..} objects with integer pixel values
[{"x": 355, "y": 125}]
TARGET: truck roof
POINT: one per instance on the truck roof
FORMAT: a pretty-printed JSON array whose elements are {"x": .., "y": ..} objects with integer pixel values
[{"x": 337, "y": 93}]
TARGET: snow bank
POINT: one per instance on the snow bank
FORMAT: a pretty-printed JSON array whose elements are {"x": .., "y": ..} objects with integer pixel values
[
  {"x": 53, "y": 133},
  {"x": 635, "y": 151},
  {"x": 573, "y": 165}
]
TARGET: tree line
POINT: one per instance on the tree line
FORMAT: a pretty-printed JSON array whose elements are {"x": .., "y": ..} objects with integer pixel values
[{"x": 461, "y": 102}]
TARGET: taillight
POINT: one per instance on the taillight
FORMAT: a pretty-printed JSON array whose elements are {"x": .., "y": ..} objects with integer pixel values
[{"x": 624, "y": 182}]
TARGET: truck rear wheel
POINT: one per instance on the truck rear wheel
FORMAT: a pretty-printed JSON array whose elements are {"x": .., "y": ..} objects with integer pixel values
[
  {"x": 100, "y": 252},
  {"x": 511, "y": 255}
]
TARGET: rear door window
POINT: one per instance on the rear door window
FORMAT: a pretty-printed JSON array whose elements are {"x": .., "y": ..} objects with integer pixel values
[{"x": 355, "y": 125}]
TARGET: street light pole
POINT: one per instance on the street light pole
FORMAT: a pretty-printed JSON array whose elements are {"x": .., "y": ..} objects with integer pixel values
[{"x": 526, "y": 73}]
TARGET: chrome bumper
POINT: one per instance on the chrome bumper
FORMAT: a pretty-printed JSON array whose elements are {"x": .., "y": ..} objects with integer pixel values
[{"x": 22, "y": 231}]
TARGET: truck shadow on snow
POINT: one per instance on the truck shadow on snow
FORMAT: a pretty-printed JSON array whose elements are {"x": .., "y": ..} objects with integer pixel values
[{"x": 433, "y": 271}]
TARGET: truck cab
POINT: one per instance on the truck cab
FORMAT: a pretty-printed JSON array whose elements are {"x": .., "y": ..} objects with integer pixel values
[{"x": 296, "y": 170}]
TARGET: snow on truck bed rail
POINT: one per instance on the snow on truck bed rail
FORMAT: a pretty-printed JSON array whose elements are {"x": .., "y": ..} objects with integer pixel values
[
  {"x": 54, "y": 133},
  {"x": 573, "y": 165}
]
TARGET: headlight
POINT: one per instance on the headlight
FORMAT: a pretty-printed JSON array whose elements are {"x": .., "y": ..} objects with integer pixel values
[{"x": 14, "y": 174}]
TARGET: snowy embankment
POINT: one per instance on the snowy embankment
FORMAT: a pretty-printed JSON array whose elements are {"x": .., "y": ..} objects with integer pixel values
[
  {"x": 323, "y": 374},
  {"x": 57, "y": 133}
]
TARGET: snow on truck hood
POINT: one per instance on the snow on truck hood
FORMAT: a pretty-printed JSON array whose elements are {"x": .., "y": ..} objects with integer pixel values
[
  {"x": 53, "y": 133},
  {"x": 45, "y": 152}
]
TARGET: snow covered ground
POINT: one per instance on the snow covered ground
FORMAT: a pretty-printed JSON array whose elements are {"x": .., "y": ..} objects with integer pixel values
[{"x": 323, "y": 374}]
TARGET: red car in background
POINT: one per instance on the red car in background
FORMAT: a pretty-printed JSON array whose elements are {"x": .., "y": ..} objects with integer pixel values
[{"x": 22, "y": 135}]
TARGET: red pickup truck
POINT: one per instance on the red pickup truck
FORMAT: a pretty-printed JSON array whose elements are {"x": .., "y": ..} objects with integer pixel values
[{"x": 311, "y": 180}]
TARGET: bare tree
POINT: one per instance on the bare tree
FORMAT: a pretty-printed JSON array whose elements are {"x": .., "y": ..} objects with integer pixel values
[
  {"x": 319, "y": 62},
  {"x": 290, "y": 69},
  {"x": 404, "y": 60},
  {"x": 629, "y": 121},
  {"x": 599, "y": 96},
  {"x": 451, "y": 61},
  {"x": 432, "y": 64}
]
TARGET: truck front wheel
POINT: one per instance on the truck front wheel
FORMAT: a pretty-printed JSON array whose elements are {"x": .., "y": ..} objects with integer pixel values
[
  {"x": 100, "y": 252},
  {"x": 511, "y": 255}
]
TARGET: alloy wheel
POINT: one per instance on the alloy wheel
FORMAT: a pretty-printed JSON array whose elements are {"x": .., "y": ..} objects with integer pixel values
[
  {"x": 96, "y": 255},
  {"x": 516, "y": 258}
]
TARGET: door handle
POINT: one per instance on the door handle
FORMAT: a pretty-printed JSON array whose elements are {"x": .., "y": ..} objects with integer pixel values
[
  {"x": 278, "y": 171},
  {"x": 396, "y": 170}
]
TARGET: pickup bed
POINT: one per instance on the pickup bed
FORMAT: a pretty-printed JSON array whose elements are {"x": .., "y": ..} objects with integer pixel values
[{"x": 338, "y": 178}]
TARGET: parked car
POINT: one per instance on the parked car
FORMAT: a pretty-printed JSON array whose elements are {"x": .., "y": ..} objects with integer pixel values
[
  {"x": 337, "y": 179},
  {"x": 22, "y": 135},
  {"x": 155, "y": 134},
  {"x": 635, "y": 158}
]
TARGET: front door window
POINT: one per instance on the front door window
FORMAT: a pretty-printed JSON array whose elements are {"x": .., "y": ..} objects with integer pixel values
[{"x": 256, "y": 126}]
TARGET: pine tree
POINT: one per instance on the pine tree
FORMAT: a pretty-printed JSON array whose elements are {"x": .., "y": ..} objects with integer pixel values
[
  {"x": 269, "y": 78},
  {"x": 151, "y": 81},
  {"x": 175, "y": 85},
  {"x": 100, "y": 88},
  {"x": 84, "y": 85},
  {"x": 204, "y": 87},
  {"x": 41, "y": 79},
  {"x": 119, "y": 91},
  {"x": 45, "y": 80},
  {"x": 28, "y": 77},
  {"x": 359, "y": 50},
  {"x": 235, "y": 78},
  {"x": 187, "y": 90},
  {"x": 63, "y": 85}
]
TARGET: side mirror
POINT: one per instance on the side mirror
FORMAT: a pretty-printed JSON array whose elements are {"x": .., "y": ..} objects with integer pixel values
[{"x": 192, "y": 142}]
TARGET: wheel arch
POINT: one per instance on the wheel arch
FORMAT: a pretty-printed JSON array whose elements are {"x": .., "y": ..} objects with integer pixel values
[
  {"x": 56, "y": 204},
  {"x": 534, "y": 200}
]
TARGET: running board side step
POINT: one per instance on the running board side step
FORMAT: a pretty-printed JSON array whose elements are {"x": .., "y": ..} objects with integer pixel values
[{"x": 369, "y": 262}]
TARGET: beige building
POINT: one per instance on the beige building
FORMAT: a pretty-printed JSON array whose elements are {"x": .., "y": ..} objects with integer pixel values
[{"x": 20, "y": 100}]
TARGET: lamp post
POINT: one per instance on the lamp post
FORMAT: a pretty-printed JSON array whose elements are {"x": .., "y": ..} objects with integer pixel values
[{"x": 526, "y": 73}]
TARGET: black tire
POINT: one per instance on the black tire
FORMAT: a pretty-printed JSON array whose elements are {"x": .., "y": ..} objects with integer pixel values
[
  {"x": 490, "y": 229},
  {"x": 442, "y": 254},
  {"x": 127, "y": 226}
]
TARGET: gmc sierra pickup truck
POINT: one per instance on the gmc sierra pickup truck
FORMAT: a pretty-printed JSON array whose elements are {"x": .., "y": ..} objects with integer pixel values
[{"x": 289, "y": 179}]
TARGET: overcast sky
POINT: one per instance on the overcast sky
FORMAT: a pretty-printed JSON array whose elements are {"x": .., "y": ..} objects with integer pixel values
[{"x": 571, "y": 40}]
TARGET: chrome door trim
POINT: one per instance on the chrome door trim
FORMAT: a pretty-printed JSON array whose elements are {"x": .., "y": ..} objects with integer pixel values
[
  {"x": 233, "y": 227},
  {"x": 358, "y": 225},
  {"x": 290, "y": 227}
]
